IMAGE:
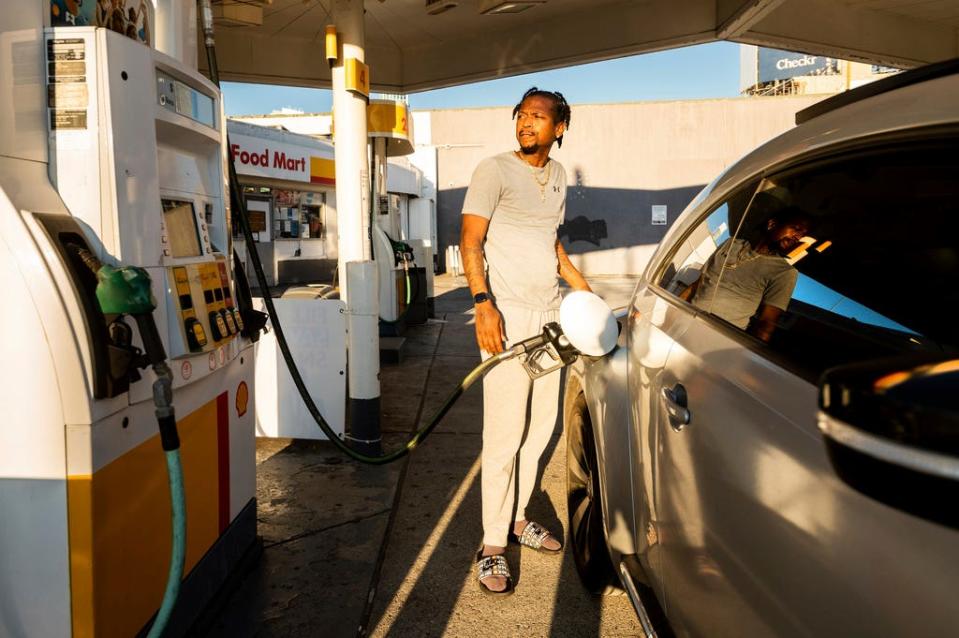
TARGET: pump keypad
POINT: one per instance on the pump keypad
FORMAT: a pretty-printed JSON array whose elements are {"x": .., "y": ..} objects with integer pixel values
[{"x": 207, "y": 315}]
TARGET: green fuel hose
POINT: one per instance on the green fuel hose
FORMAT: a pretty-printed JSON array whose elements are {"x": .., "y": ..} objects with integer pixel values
[
  {"x": 178, "y": 554},
  {"x": 409, "y": 298},
  {"x": 126, "y": 290},
  {"x": 239, "y": 206},
  {"x": 170, "y": 441}
]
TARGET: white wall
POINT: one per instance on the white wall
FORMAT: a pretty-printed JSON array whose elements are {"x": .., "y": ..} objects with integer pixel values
[{"x": 620, "y": 160}]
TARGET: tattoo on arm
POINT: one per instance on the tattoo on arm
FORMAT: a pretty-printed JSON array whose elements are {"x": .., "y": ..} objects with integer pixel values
[
  {"x": 472, "y": 236},
  {"x": 474, "y": 267},
  {"x": 568, "y": 271}
]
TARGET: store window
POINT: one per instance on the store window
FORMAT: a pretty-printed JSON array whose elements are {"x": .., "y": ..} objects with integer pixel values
[
  {"x": 259, "y": 202},
  {"x": 312, "y": 209},
  {"x": 291, "y": 214},
  {"x": 858, "y": 260},
  {"x": 299, "y": 215}
]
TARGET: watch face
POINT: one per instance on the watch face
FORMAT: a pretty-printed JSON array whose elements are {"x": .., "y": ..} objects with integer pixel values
[{"x": 480, "y": 297}]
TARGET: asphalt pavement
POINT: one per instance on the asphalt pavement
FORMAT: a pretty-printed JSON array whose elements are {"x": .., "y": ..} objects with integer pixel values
[{"x": 353, "y": 550}]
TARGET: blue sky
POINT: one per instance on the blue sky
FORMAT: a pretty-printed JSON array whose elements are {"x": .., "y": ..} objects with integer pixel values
[{"x": 702, "y": 71}]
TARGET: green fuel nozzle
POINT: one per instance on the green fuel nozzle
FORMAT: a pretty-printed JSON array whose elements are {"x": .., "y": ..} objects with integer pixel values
[{"x": 124, "y": 290}]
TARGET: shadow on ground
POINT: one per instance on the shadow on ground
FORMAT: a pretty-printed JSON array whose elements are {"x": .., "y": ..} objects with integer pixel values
[{"x": 388, "y": 551}]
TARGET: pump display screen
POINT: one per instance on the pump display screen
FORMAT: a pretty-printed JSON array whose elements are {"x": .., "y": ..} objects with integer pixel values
[
  {"x": 180, "y": 98},
  {"x": 180, "y": 220}
]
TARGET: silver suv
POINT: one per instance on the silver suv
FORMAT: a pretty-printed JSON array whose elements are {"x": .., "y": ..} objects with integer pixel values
[{"x": 773, "y": 448}]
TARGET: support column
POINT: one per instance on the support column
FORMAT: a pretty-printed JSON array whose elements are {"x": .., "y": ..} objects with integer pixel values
[
  {"x": 350, "y": 143},
  {"x": 363, "y": 343},
  {"x": 357, "y": 275}
]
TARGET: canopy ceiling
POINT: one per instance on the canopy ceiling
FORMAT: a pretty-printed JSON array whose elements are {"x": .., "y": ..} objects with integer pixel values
[{"x": 409, "y": 50}]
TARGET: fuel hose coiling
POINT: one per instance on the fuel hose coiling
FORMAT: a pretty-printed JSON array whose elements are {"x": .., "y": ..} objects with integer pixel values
[{"x": 592, "y": 328}]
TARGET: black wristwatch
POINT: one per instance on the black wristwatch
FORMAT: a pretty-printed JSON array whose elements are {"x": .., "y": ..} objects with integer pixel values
[{"x": 480, "y": 297}]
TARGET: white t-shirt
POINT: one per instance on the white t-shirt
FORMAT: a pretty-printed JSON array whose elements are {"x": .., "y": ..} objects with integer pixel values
[
  {"x": 525, "y": 206},
  {"x": 736, "y": 280}
]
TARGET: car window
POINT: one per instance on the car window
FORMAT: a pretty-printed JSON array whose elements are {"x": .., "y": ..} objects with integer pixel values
[
  {"x": 849, "y": 260},
  {"x": 683, "y": 269}
]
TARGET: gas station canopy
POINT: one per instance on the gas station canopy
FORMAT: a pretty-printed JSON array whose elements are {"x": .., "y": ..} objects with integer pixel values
[{"x": 415, "y": 45}]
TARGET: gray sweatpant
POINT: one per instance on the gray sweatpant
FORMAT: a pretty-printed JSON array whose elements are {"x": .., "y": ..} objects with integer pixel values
[{"x": 511, "y": 450}]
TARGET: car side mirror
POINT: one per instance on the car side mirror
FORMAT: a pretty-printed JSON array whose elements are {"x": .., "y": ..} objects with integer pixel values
[{"x": 891, "y": 429}]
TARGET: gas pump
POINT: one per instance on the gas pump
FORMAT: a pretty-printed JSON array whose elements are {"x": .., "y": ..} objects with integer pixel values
[
  {"x": 113, "y": 156},
  {"x": 394, "y": 261},
  {"x": 390, "y": 135}
]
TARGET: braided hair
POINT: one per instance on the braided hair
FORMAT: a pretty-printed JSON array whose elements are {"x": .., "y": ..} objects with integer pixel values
[{"x": 561, "y": 110}]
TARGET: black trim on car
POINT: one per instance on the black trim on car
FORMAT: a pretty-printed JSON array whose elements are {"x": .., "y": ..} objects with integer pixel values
[
  {"x": 652, "y": 616},
  {"x": 885, "y": 85},
  {"x": 875, "y": 143}
]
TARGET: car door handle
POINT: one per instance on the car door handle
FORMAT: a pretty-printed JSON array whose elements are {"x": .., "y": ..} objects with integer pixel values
[{"x": 676, "y": 407}]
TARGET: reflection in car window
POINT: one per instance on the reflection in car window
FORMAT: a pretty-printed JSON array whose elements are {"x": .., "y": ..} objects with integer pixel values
[
  {"x": 813, "y": 292},
  {"x": 684, "y": 269},
  {"x": 871, "y": 262}
]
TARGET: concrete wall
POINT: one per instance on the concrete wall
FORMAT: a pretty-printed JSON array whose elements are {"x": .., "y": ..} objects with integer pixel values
[{"x": 620, "y": 159}]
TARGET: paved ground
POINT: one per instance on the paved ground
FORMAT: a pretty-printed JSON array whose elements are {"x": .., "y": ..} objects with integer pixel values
[{"x": 352, "y": 550}]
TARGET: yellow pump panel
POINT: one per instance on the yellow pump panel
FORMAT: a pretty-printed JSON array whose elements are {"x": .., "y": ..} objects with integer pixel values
[{"x": 119, "y": 521}]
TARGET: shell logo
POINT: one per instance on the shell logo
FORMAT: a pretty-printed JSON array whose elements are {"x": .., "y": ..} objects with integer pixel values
[{"x": 242, "y": 398}]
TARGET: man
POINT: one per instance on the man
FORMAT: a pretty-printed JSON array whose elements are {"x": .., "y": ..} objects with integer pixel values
[
  {"x": 513, "y": 207},
  {"x": 749, "y": 284}
]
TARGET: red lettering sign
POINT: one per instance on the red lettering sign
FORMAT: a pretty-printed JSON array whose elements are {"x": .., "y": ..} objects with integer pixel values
[{"x": 280, "y": 159}]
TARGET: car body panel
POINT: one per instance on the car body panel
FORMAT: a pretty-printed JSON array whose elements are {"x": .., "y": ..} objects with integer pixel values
[
  {"x": 615, "y": 455},
  {"x": 759, "y": 536},
  {"x": 654, "y": 324},
  {"x": 739, "y": 520},
  {"x": 605, "y": 377}
]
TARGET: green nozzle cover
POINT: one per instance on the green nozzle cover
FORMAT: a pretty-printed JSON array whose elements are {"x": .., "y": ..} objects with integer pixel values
[{"x": 124, "y": 290}]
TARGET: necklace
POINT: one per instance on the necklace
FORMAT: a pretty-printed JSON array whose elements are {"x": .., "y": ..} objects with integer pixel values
[
  {"x": 739, "y": 259},
  {"x": 532, "y": 172}
]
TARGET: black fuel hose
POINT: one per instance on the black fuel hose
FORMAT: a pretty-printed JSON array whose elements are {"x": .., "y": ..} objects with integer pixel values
[{"x": 236, "y": 197}]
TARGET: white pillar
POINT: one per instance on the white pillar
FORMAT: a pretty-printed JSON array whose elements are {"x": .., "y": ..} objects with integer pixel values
[
  {"x": 350, "y": 144},
  {"x": 358, "y": 286},
  {"x": 364, "y": 357}
]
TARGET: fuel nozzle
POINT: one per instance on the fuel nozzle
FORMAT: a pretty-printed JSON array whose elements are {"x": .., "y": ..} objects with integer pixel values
[
  {"x": 402, "y": 253},
  {"x": 586, "y": 327},
  {"x": 548, "y": 351},
  {"x": 126, "y": 291}
]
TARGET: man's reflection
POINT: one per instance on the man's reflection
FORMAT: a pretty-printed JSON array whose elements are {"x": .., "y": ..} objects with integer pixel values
[{"x": 749, "y": 283}]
